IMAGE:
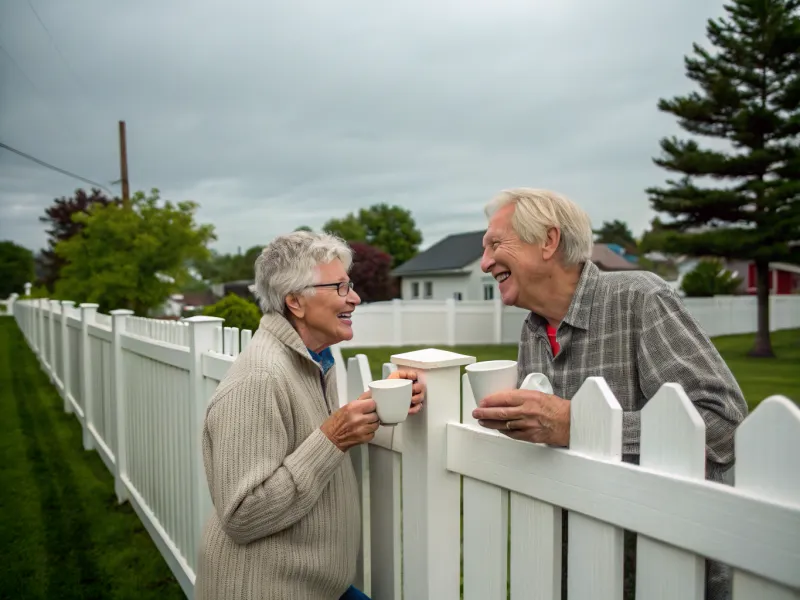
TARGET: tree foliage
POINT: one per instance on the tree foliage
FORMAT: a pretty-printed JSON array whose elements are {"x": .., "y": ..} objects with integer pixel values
[
  {"x": 388, "y": 228},
  {"x": 743, "y": 200},
  {"x": 62, "y": 226},
  {"x": 132, "y": 257},
  {"x": 236, "y": 311},
  {"x": 221, "y": 268},
  {"x": 16, "y": 268},
  {"x": 616, "y": 232},
  {"x": 709, "y": 278},
  {"x": 371, "y": 273}
]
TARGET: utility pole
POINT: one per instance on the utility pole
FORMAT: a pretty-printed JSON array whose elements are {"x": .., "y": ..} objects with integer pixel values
[{"x": 123, "y": 165}]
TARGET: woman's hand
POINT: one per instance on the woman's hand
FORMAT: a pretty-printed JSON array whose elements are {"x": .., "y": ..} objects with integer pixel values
[
  {"x": 417, "y": 389},
  {"x": 353, "y": 424}
]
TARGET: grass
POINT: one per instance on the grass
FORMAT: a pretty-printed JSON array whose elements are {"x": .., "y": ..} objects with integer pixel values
[
  {"x": 759, "y": 378},
  {"x": 62, "y": 533}
]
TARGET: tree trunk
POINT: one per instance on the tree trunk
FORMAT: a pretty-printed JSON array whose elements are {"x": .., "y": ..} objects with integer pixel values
[{"x": 763, "y": 345}]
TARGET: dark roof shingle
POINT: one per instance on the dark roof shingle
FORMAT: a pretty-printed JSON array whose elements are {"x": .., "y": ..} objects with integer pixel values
[{"x": 452, "y": 253}]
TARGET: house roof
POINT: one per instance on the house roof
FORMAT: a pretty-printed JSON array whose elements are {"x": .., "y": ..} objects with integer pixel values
[{"x": 454, "y": 253}]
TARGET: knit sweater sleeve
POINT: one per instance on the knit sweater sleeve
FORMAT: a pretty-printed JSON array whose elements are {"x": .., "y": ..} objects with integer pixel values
[{"x": 258, "y": 488}]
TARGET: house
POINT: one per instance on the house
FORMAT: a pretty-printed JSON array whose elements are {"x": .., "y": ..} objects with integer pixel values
[{"x": 451, "y": 269}]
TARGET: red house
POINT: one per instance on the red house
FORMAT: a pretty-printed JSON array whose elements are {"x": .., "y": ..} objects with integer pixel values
[{"x": 784, "y": 278}]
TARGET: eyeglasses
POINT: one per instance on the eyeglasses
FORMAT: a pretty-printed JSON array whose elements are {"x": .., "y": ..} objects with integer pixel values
[{"x": 342, "y": 287}]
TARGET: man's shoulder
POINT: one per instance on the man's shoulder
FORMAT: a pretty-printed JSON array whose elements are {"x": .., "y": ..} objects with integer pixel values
[{"x": 635, "y": 286}]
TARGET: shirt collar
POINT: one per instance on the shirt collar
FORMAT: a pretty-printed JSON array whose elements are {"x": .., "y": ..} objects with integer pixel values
[
  {"x": 324, "y": 359},
  {"x": 580, "y": 308}
]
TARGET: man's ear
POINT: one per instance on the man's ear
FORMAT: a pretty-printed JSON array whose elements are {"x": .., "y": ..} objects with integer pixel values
[
  {"x": 551, "y": 242},
  {"x": 295, "y": 306}
]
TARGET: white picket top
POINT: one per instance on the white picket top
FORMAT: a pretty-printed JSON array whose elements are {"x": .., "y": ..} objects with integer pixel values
[{"x": 139, "y": 389}]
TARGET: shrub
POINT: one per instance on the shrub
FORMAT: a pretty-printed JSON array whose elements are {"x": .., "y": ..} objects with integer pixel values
[
  {"x": 709, "y": 278},
  {"x": 236, "y": 311}
]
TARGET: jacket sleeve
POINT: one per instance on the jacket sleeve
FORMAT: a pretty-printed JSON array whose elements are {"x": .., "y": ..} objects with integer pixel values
[
  {"x": 673, "y": 348},
  {"x": 256, "y": 486}
]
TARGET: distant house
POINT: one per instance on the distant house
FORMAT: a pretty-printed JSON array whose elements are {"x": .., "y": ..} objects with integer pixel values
[
  {"x": 451, "y": 269},
  {"x": 784, "y": 278}
]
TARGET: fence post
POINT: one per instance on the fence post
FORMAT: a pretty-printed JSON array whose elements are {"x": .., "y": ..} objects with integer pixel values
[
  {"x": 397, "y": 322},
  {"x": 88, "y": 312},
  {"x": 431, "y": 493},
  {"x": 41, "y": 332},
  {"x": 450, "y": 312},
  {"x": 118, "y": 322},
  {"x": 202, "y": 338},
  {"x": 66, "y": 373},
  {"x": 52, "y": 334},
  {"x": 498, "y": 320}
]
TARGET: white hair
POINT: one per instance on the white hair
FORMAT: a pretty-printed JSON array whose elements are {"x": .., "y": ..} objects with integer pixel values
[
  {"x": 537, "y": 210},
  {"x": 286, "y": 266}
]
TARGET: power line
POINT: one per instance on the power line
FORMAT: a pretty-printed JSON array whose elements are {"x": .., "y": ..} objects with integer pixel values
[
  {"x": 52, "y": 41},
  {"x": 54, "y": 168}
]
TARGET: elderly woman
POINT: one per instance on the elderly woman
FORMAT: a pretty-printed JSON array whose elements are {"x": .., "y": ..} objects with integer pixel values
[{"x": 286, "y": 522}]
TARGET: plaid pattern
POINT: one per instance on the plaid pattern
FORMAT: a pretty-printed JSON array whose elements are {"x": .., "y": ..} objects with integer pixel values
[{"x": 633, "y": 330}]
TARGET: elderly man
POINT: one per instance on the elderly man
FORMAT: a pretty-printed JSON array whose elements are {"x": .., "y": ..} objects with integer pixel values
[{"x": 628, "y": 327}]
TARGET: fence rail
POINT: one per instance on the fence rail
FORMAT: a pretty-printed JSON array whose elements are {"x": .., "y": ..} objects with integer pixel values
[
  {"x": 139, "y": 390},
  {"x": 451, "y": 323}
]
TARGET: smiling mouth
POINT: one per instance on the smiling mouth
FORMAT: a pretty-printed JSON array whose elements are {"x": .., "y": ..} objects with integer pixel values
[
  {"x": 501, "y": 277},
  {"x": 345, "y": 316}
]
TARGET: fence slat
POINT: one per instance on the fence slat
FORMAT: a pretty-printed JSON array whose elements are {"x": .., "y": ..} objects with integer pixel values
[
  {"x": 768, "y": 464},
  {"x": 595, "y": 561},
  {"x": 485, "y": 540},
  {"x": 672, "y": 441},
  {"x": 535, "y": 549}
]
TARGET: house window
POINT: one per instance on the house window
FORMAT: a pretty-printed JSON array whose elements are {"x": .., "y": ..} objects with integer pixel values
[
  {"x": 428, "y": 290},
  {"x": 457, "y": 295},
  {"x": 415, "y": 290},
  {"x": 488, "y": 291}
]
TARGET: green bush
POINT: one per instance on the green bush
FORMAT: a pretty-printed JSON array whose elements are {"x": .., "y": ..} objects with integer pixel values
[
  {"x": 709, "y": 278},
  {"x": 236, "y": 311}
]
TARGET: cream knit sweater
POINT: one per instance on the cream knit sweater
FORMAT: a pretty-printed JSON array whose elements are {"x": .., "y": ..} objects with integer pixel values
[{"x": 286, "y": 523}]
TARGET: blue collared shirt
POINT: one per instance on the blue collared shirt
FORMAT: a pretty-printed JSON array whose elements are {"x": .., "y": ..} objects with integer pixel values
[{"x": 324, "y": 359}]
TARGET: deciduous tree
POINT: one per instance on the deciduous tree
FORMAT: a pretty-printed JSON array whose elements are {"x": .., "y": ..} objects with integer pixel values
[
  {"x": 16, "y": 268},
  {"x": 371, "y": 273},
  {"x": 132, "y": 257}
]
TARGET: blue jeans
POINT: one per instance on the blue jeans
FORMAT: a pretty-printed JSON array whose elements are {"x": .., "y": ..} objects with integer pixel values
[{"x": 354, "y": 594}]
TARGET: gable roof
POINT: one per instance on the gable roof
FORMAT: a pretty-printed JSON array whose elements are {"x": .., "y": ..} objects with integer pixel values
[
  {"x": 455, "y": 252},
  {"x": 452, "y": 253}
]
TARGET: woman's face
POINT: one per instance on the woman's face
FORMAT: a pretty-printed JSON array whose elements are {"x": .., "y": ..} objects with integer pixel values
[{"x": 326, "y": 317}]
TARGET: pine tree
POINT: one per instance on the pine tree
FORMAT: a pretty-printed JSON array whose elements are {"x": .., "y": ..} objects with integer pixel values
[{"x": 740, "y": 199}]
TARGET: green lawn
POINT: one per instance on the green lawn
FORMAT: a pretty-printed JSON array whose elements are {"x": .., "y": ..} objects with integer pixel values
[
  {"x": 758, "y": 378},
  {"x": 62, "y": 533}
]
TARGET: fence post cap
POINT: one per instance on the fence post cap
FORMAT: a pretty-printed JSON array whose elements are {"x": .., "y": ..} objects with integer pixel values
[
  {"x": 67, "y": 303},
  {"x": 121, "y": 312},
  {"x": 204, "y": 319},
  {"x": 89, "y": 305},
  {"x": 431, "y": 358}
]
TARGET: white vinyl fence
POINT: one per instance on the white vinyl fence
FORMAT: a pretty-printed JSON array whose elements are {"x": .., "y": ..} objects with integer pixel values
[
  {"x": 451, "y": 323},
  {"x": 139, "y": 388}
]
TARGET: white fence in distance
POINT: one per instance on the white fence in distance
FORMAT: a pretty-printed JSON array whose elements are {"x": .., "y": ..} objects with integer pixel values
[
  {"x": 139, "y": 390},
  {"x": 451, "y": 323}
]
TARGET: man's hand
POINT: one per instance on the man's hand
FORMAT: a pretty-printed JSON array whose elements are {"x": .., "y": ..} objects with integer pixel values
[
  {"x": 417, "y": 389},
  {"x": 526, "y": 415}
]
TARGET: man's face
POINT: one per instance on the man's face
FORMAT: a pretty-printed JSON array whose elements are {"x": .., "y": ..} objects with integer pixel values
[
  {"x": 326, "y": 315},
  {"x": 516, "y": 265}
]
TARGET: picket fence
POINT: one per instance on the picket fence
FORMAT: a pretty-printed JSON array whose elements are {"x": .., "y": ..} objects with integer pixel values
[
  {"x": 451, "y": 323},
  {"x": 139, "y": 389}
]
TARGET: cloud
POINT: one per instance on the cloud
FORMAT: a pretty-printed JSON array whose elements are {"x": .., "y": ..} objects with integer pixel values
[{"x": 273, "y": 115}]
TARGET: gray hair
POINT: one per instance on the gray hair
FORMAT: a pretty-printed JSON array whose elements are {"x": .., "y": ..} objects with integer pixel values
[
  {"x": 537, "y": 210},
  {"x": 286, "y": 266}
]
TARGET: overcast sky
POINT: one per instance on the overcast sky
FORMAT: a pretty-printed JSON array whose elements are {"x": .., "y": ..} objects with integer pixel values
[{"x": 273, "y": 115}]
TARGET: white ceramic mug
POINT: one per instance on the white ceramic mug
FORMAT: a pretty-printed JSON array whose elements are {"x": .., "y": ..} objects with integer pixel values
[
  {"x": 491, "y": 376},
  {"x": 392, "y": 399}
]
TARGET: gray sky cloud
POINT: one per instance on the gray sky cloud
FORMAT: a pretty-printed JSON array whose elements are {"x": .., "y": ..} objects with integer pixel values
[{"x": 274, "y": 115}]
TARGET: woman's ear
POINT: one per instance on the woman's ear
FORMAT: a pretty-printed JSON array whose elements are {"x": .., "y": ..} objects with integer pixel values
[{"x": 295, "y": 306}]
